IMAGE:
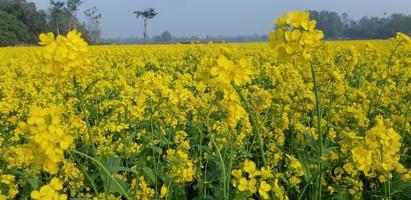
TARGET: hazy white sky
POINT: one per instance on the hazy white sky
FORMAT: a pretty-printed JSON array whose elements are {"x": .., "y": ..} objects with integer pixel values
[{"x": 220, "y": 17}]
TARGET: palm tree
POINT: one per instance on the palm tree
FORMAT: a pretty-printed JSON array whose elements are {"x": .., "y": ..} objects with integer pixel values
[{"x": 146, "y": 15}]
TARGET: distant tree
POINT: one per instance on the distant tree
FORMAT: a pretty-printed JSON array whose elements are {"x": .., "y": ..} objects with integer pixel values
[
  {"x": 93, "y": 24},
  {"x": 399, "y": 23},
  {"x": 26, "y": 12},
  {"x": 166, "y": 37},
  {"x": 146, "y": 15},
  {"x": 12, "y": 30},
  {"x": 72, "y": 7},
  {"x": 337, "y": 26},
  {"x": 329, "y": 22},
  {"x": 57, "y": 13},
  {"x": 63, "y": 15}
]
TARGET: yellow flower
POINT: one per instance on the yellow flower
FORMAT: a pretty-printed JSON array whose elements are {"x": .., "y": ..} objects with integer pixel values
[
  {"x": 349, "y": 168},
  {"x": 294, "y": 180},
  {"x": 278, "y": 191},
  {"x": 56, "y": 184},
  {"x": 264, "y": 189},
  {"x": 46, "y": 39},
  {"x": 250, "y": 167},
  {"x": 50, "y": 191},
  {"x": 228, "y": 72},
  {"x": 237, "y": 173},
  {"x": 266, "y": 173},
  {"x": 249, "y": 185},
  {"x": 330, "y": 189},
  {"x": 363, "y": 158},
  {"x": 163, "y": 191}
]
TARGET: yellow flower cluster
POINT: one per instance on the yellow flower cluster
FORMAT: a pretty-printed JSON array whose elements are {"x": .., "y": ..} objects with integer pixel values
[
  {"x": 71, "y": 175},
  {"x": 8, "y": 187},
  {"x": 50, "y": 191},
  {"x": 143, "y": 190},
  {"x": 180, "y": 167},
  {"x": 227, "y": 76},
  {"x": 295, "y": 170},
  {"x": 227, "y": 72},
  {"x": 64, "y": 56},
  {"x": 378, "y": 154},
  {"x": 295, "y": 34},
  {"x": 250, "y": 179},
  {"x": 48, "y": 136}
]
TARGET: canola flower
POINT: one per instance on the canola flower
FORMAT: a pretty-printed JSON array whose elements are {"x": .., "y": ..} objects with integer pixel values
[
  {"x": 215, "y": 121},
  {"x": 63, "y": 56},
  {"x": 378, "y": 154},
  {"x": 50, "y": 191},
  {"x": 49, "y": 137},
  {"x": 295, "y": 34},
  {"x": 7, "y": 182}
]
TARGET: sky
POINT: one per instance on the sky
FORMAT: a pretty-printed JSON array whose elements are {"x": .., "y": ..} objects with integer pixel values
[{"x": 219, "y": 17}]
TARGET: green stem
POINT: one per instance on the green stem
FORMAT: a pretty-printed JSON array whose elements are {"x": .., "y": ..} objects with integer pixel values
[
  {"x": 256, "y": 129},
  {"x": 104, "y": 169},
  {"x": 305, "y": 187},
  {"x": 370, "y": 114},
  {"x": 85, "y": 116},
  {"x": 320, "y": 136},
  {"x": 222, "y": 166},
  {"x": 93, "y": 185}
]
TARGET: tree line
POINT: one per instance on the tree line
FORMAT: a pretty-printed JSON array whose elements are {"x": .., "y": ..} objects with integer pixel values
[
  {"x": 334, "y": 25},
  {"x": 21, "y": 22},
  {"x": 341, "y": 26},
  {"x": 167, "y": 37}
]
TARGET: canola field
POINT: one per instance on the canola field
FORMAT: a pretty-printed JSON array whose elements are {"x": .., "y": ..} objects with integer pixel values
[{"x": 295, "y": 118}]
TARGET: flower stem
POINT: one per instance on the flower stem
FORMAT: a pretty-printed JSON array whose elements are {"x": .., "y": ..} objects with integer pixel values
[
  {"x": 320, "y": 136},
  {"x": 105, "y": 171},
  {"x": 85, "y": 116}
]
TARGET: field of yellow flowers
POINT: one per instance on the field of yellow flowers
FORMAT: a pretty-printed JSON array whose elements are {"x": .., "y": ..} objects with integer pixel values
[{"x": 297, "y": 118}]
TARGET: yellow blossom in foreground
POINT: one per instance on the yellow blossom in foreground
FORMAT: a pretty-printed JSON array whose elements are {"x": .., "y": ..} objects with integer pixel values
[
  {"x": 264, "y": 189},
  {"x": 64, "y": 56},
  {"x": 50, "y": 191}
]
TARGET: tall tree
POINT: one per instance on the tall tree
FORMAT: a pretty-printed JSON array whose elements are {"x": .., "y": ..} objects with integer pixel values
[
  {"x": 57, "y": 14},
  {"x": 63, "y": 14},
  {"x": 146, "y": 14},
  {"x": 72, "y": 7},
  {"x": 93, "y": 24}
]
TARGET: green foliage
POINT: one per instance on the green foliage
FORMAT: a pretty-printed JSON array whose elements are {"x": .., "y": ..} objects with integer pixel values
[
  {"x": 12, "y": 31},
  {"x": 166, "y": 36},
  {"x": 27, "y": 13},
  {"x": 146, "y": 14},
  {"x": 340, "y": 26},
  {"x": 329, "y": 22}
]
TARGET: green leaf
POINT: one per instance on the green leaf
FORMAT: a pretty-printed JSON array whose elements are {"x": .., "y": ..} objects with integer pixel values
[
  {"x": 149, "y": 173},
  {"x": 34, "y": 183},
  {"x": 113, "y": 188},
  {"x": 158, "y": 150},
  {"x": 112, "y": 164}
]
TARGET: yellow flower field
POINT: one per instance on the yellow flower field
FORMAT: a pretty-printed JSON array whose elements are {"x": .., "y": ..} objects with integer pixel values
[{"x": 298, "y": 118}]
